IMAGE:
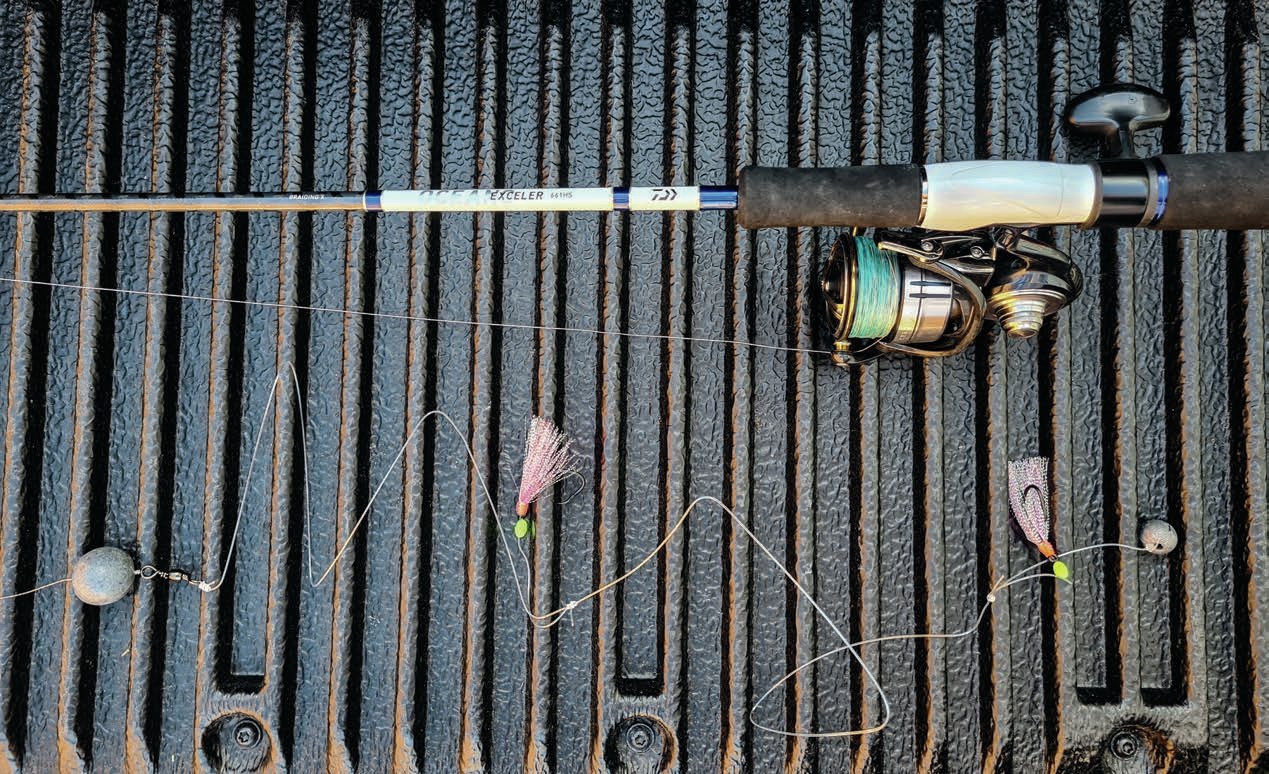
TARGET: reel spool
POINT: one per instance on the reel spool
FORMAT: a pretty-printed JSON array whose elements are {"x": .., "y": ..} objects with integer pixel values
[{"x": 927, "y": 293}]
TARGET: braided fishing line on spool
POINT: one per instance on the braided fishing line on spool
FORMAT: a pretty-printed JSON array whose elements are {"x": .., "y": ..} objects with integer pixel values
[{"x": 876, "y": 289}]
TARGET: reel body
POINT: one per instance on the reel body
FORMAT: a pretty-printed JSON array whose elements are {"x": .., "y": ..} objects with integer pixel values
[{"x": 928, "y": 293}]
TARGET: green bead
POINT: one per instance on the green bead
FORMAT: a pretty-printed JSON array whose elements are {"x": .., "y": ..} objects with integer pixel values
[
  {"x": 1061, "y": 571},
  {"x": 522, "y": 528}
]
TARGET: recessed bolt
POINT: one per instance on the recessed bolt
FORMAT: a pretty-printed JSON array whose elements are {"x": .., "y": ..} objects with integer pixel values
[
  {"x": 247, "y": 733},
  {"x": 639, "y": 736},
  {"x": 1125, "y": 744}
]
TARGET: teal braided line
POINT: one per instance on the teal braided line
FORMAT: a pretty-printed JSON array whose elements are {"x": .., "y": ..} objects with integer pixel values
[{"x": 876, "y": 291}]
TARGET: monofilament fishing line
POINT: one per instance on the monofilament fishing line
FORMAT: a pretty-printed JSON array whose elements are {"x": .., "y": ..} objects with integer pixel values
[
  {"x": 1159, "y": 542},
  {"x": 105, "y": 575},
  {"x": 405, "y": 317}
]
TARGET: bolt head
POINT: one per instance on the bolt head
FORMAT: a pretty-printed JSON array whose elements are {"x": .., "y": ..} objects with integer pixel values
[
  {"x": 1125, "y": 745},
  {"x": 247, "y": 733}
]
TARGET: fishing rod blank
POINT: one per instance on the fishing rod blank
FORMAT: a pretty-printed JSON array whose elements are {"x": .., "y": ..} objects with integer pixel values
[{"x": 620, "y": 199}]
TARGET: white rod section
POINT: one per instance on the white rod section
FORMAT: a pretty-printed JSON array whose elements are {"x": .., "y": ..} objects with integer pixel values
[
  {"x": 965, "y": 195},
  {"x": 539, "y": 199}
]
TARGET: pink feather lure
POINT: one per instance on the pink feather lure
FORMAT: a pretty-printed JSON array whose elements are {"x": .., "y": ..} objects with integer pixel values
[
  {"x": 548, "y": 459},
  {"x": 1029, "y": 498}
]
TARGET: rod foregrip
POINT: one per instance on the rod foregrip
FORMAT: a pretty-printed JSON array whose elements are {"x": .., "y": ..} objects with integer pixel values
[
  {"x": 949, "y": 196},
  {"x": 887, "y": 196},
  {"x": 1215, "y": 190}
]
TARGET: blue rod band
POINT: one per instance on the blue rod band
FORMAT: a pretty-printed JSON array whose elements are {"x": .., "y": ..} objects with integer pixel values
[
  {"x": 372, "y": 201},
  {"x": 621, "y": 198},
  {"x": 1161, "y": 206},
  {"x": 719, "y": 197}
]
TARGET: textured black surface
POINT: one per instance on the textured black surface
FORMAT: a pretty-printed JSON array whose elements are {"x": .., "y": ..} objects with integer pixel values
[{"x": 128, "y": 421}]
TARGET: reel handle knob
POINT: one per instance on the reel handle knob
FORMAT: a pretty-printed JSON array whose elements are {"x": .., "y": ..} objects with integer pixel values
[{"x": 1115, "y": 113}]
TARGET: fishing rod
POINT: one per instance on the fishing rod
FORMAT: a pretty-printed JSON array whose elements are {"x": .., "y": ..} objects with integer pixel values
[{"x": 948, "y": 250}]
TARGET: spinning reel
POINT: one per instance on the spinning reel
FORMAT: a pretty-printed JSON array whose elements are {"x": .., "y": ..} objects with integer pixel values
[{"x": 927, "y": 293}]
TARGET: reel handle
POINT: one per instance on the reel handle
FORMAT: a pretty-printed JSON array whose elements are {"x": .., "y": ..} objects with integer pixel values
[{"x": 1115, "y": 113}]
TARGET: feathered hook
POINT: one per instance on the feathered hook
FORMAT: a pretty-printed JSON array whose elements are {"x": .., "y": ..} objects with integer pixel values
[
  {"x": 548, "y": 459},
  {"x": 1029, "y": 499}
]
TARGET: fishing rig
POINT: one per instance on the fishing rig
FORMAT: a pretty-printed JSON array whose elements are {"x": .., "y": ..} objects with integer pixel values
[
  {"x": 949, "y": 249},
  {"x": 108, "y": 574}
]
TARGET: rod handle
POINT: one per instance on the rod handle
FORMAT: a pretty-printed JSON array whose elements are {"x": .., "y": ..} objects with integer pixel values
[
  {"x": 1216, "y": 190},
  {"x": 887, "y": 196}
]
